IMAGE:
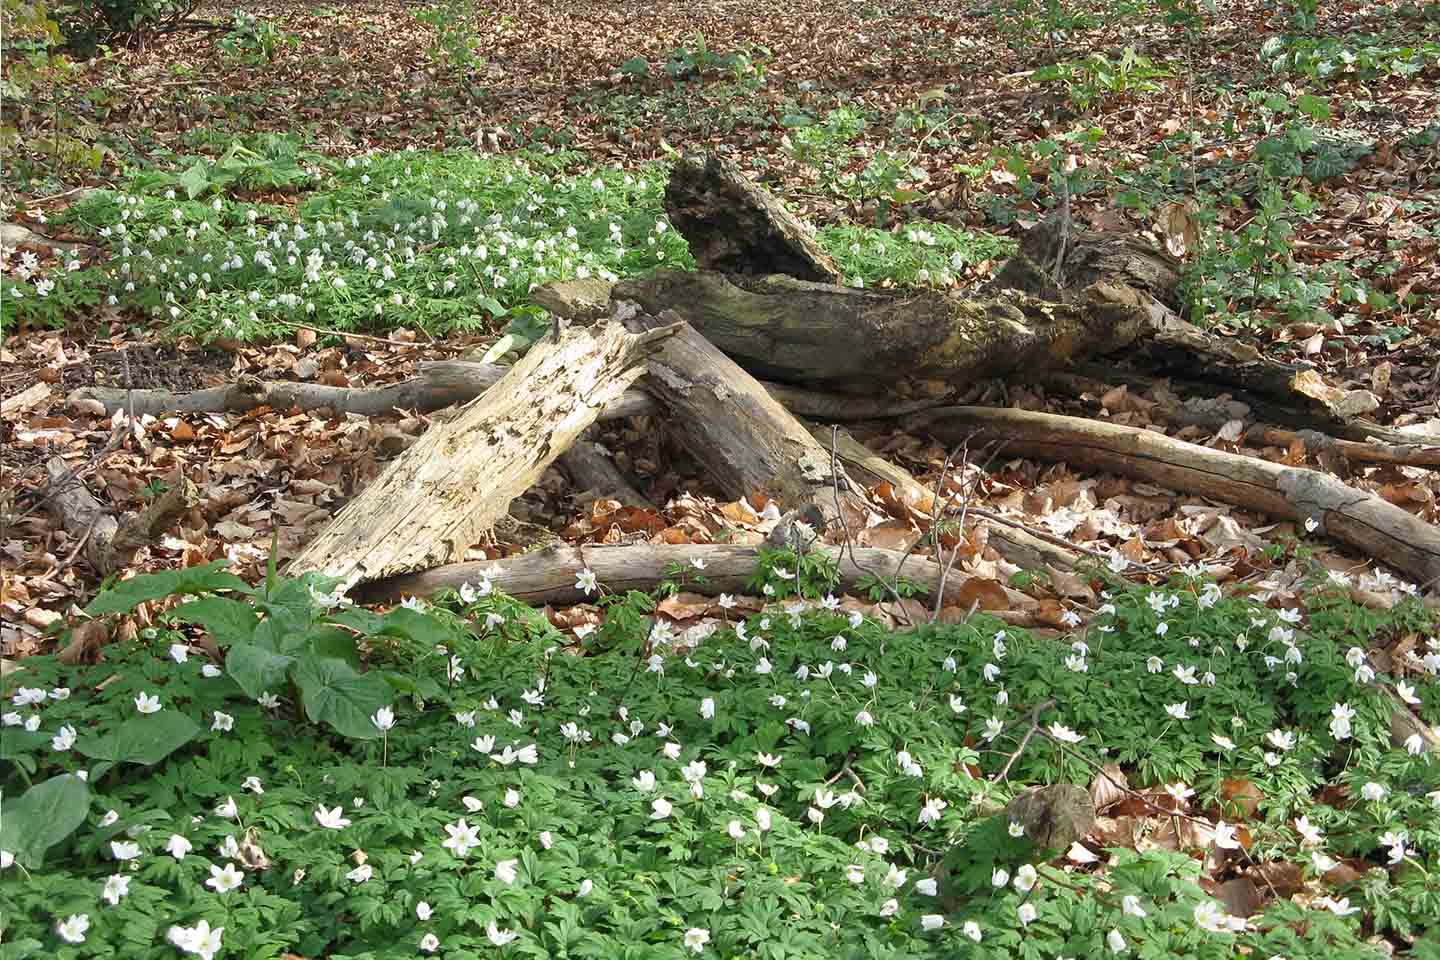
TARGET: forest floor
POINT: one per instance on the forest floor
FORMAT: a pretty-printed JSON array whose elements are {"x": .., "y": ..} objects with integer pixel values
[{"x": 1292, "y": 165}]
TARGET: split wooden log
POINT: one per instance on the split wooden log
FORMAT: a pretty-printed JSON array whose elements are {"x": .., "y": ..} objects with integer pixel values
[
  {"x": 1377, "y": 528},
  {"x": 436, "y": 499},
  {"x": 110, "y": 544}
]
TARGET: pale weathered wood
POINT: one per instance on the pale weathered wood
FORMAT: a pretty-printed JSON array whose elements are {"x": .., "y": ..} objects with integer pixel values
[
  {"x": 436, "y": 499},
  {"x": 1379, "y": 529}
]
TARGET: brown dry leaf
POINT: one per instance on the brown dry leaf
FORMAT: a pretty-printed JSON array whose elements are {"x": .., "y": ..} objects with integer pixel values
[
  {"x": 1240, "y": 797},
  {"x": 85, "y": 643},
  {"x": 1239, "y": 897},
  {"x": 684, "y": 606},
  {"x": 1108, "y": 786},
  {"x": 890, "y": 535},
  {"x": 978, "y": 593}
]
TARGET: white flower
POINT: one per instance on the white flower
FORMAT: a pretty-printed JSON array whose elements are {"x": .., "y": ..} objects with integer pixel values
[
  {"x": 429, "y": 943},
  {"x": 1064, "y": 734},
  {"x": 1209, "y": 917},
  {"x": 895, "y": 877},
  {"x": 971, "y": 929},
  {"x": 1224, "y": 743},
  {"x": 116, "y": 887},
  {"x": 1373, "y": 791},
  {"x": 505, "y": 871},
  {"x": 993, "y": 728},
  {"x": 64, "y": 739},
  {"x": 864, "y": 718},
  {"x": 200, "y": 939},
  {"x": 1225, "y": 836},
  {"x": 930, "y": 813},
  {"x": 147, "y": 703},
  {"x": 1078, "y": 853},
  {"x": 1281, "y": 739},
  {"x": 72, "y": 929},
  {"x": 1178, "y": 710},
  {"x": 1027, "y": 914},
  {"x": 585, "y": 580},
  {"x": 1016, "y": 829},
  {"x": 762, "y": 819},
  {"x": 177, "y": 846},
  {"x": 483, "y": 744},
  {"x": 999, "y": 877},
  {"x": 223, "y": 880},
  {"x": 331, "y": 819},
  {"x": 1309, "y": 833},
  {"x": 1130, "y": 906},
  {"x": 252, "y": 784},
  {"x": 210, "y": 672},
  {"x": 671, "y": 751},
  {"x": 1115, "y": 941},
  {"x": 1406, "y": 692},
  {"x": 661, "y": 808},
  {"x": 423, "y": 910},
  {"x": 179, "y": 652},
  {"x": 223, "y": 722},
  {"x": 816, "y": 817},
  {"x": 462, "y": 837},
  {"x": 361, "y": 873},
  {"x": 586, "y": 886},
  {"x": 512, "y": 797},
  {"x": 767, "y": 760},
  {"x": 124, "y": 850},
  {"x": 227, "y": 810},
  {"x": 926, "y": 886},
  {"x": 384, "y": 719},
  {"x": 1025, "y": 878},
  {"x": 497, "y": 936},
  {"x": 1339, "y": 907},
  {"x": 735, "y": 831},
  {"x": 696, "y": 938},
  {"x": 931, "y": 921},
  {"x": 890, "y": 907},
  {"x": 707, "y": 708}
]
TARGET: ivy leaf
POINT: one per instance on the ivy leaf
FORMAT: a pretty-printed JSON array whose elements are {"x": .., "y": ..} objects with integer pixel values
[
  {"x": 336, "y": 693},
  {"x": 129, "y": 594},
  {"x": 143, "y": 739},
  {"x": 256, "y": 669},
  {"x": 227, "y": 621},
  {"x": 196, "y": 180},
  {"x": 43, "y": 816}
]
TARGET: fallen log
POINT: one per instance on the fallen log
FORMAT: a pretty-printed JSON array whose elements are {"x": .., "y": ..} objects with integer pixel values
[
  {"x": 437, "y": 498},
  {"x": 1379, "y": 529},
  {"x": 742, "y": 436},
  {"x": 548, "y": 575},
  {"x": 107, "y": 543}
]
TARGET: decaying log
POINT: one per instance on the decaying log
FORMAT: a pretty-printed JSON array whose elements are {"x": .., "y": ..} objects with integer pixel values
[
  {"x": 1377, "y": 528},
  {"x": 436, "y": 499},
  {"x": 111, "y": 544},
  {"x": 862, "y": 340},
  {"x": 443, "y": 383},
  {"x": 735, "y": 226},
  {"x": 742, "y": 436},
  {"x": 548, "y": 575},
  {"x": 594, "y": 476}
]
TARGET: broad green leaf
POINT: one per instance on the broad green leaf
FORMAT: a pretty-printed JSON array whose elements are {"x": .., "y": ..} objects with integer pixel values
[
  {"x": 43, "y": 816},
  {"x": 129, "y": 594},
  {"x": 256, "y": 669},
  {"x": 146, "y": 739},
  {"x": 227, "y": 621},
  {"x": 336, "y": 693},
  {"x": 196, "y": 180}
]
